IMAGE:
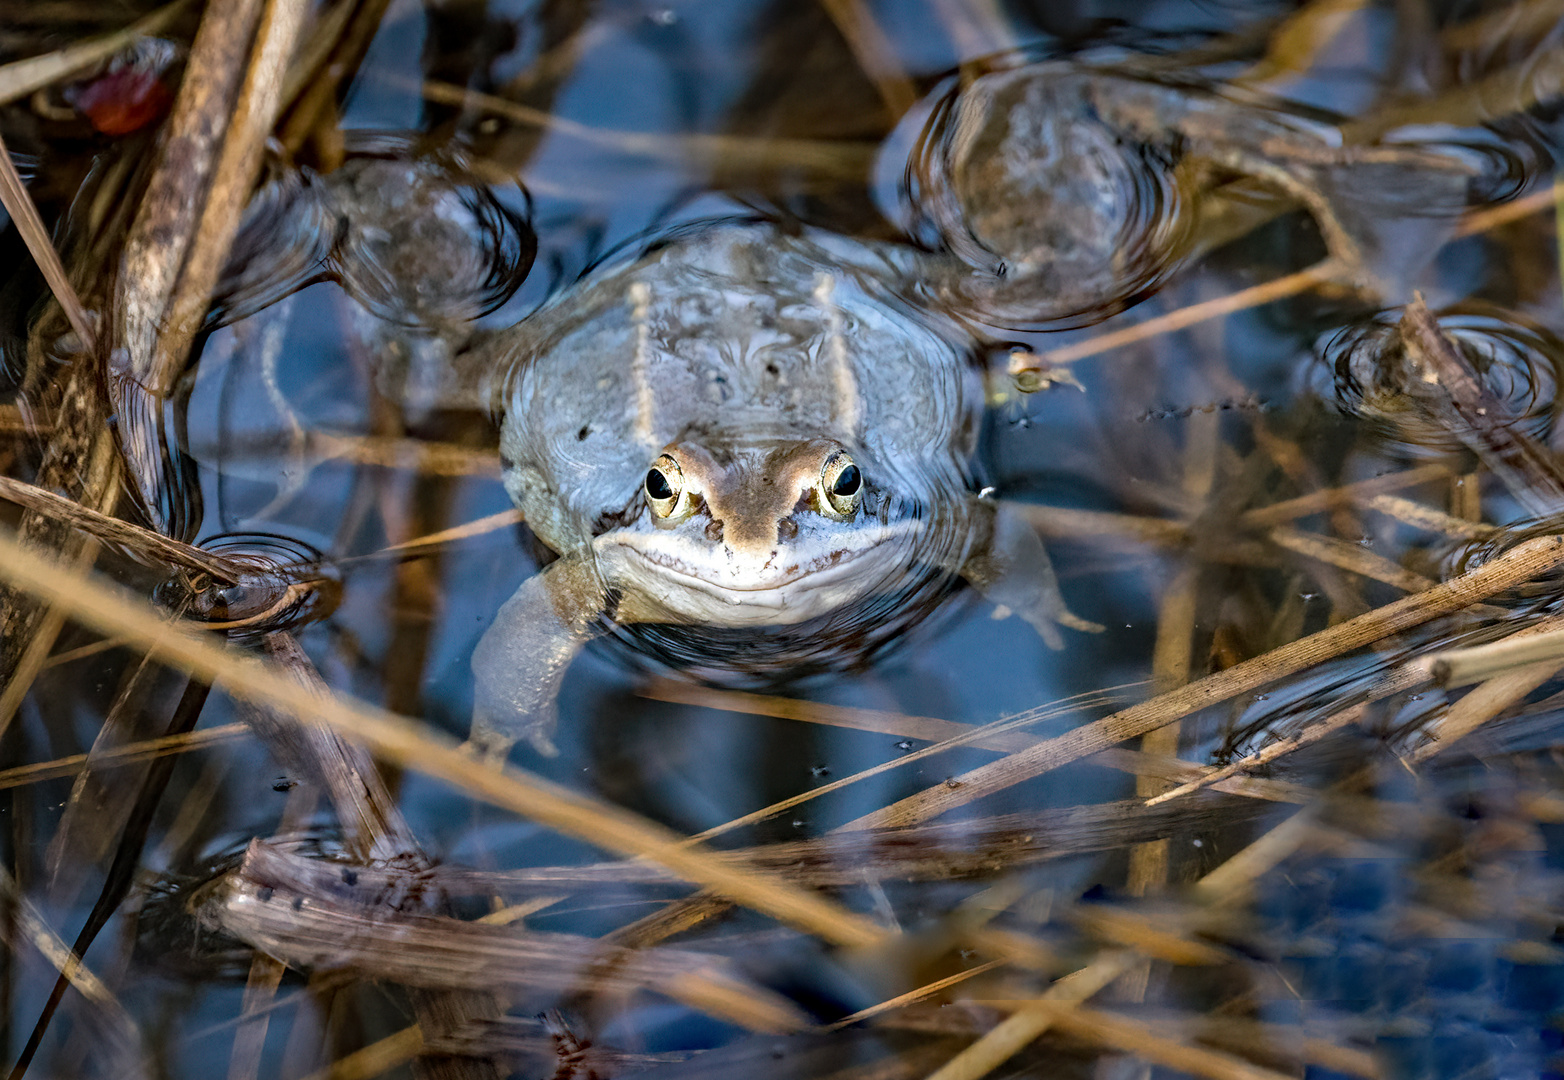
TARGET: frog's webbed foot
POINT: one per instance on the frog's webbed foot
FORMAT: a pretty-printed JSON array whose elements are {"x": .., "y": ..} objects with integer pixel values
[
  {"x": 1065, "y": 192},
  {"x": 1015, "y": 575},
  {"x": 521, "y": 660}
]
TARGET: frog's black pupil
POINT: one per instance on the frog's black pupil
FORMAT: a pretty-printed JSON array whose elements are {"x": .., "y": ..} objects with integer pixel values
[
  {"x": 657, "y": 485},
  {"x": 847, "y": 482}
]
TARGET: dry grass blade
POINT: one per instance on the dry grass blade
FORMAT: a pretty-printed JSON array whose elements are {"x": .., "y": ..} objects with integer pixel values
[
  {"x": 1496, "y": 693},
  {"x": 1312, "y": 734},
  {"x": 493, "y": 523},
  {"x": 1521, "y": 563},
  {"x": 686, "y": 148},
  {"x": 1184, "y": 318},
  {"x": 137, "y": 751},
  {"x": 998, "y": 736},
  {"x": 23, "y": 77},
  {"x": 19, "y": 204},
  {"x": 1426, "y": 517},
  {"x": 874, "y": 53},
  {"x": 1122, "y": 1033},
  {"x": 24, "y": 923},
  {"x": 1060, "y": 1001},
  {"x": 912, "y": 997},
  {"x": 149, "y": 547},
  {"x": 403, "y": 742},
  {"x": 1396, "y": 682},
  {"x": 376, "y": 1059},
  {"x": 1300, "y": 38},
  {"x": 1349, "y": 556},
  {"x": 1460, "y": 667},
  {"x": 1515, "y": 89},
  {"x": 1022, "y": 1027},
  {"x": 1347, "y": 495}
]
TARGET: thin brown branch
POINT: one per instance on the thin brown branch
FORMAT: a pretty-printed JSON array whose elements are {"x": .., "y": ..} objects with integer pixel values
[
  {"x": 1521, "y": 563},
  {"x": 19, "y": 204},
  {"x": 875, "y": 54}
]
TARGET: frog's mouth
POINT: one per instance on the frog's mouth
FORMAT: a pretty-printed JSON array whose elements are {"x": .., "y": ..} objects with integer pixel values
[{"x": 701, "y": 582}]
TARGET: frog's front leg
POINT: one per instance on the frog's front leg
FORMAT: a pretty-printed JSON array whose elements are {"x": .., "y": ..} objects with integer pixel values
[
  {"x": 521, "y": 660},
  {"x": 1014, "y": 573}
]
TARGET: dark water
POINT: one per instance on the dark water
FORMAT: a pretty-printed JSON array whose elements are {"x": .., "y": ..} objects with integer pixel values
[{"x": 1416, "y": 928}]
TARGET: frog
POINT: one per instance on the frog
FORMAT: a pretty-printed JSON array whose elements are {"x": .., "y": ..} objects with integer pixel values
[
  {"x": 748, "y": 448},
  {"x": 743, "y": 429},
  {"x": 769, "y": 431}
]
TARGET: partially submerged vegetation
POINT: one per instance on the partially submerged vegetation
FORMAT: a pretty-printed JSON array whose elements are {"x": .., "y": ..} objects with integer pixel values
[{"x": 1268, "y": 825}]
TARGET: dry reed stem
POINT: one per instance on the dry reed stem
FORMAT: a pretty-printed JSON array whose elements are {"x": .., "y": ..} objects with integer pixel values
[
  {"x": 1172, "y": 659},
  {"x": 153, "y": 548},
  {"x": 1301, "y": 281},
  {"x": 416, "y": 455},
  {"x": 1022, "y": 1027},
  {"x": 1494, "y": 695},
  {"x": 234, "y": 177},
  {"x": 1298, "y": 40},
  {"x": 1538, "y": 77},
  {"x": 1309, "y": 735},
  {"x": 22, "y": 77},
  {"x": 1057, "y": 522},
  {"x": 1460, "y": 667},
  {"x": 1346, "y": 555},
  {"x": 297, "y": 909},
  {"x": 1183, "y": 318},
  {"x": 1139, "y": 930},
  {"x": 24, "y": 215},
  {"x": 1484, "y": 703},
  {"x": 376, "y": 1059},
  {"x": 1521, "y": 563},
  {"x": 318, "y": 99},
  {"x": 403, "y": 742},
  {"x": 1230, "y": 881},
  {"x": 875, "y": 54},
  {"x": 942, "y": 734},
  {"x": 34, "y": 658},
  {"x": 165, "y": 226},
  {"x": 912, "y": 997},
  {"x": 1347, "y": 495},
  {"x": 687, "y": 149},
  {"x": 1493, "y": 217},
  {"x": 1493, "y": 28},
  {"x": 26, "y": 920},
  {"x": 244, "y": 1060},
  {"x": 493, "y": 523},
  {"x": 1428, "y": 519},
  {"x": 1133, "y": 1037}
]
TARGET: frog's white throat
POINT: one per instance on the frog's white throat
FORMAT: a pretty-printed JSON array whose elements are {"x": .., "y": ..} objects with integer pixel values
[{"x": 711, "y": 583}]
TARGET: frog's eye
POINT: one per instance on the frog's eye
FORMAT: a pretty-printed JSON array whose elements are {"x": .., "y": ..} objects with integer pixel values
[
  {"x": 665, "y": 487},
  {"x": 841, "y": 483}
]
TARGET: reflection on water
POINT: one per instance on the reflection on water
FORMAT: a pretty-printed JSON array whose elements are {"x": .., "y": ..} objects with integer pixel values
[{"x": 507, "y": 226}]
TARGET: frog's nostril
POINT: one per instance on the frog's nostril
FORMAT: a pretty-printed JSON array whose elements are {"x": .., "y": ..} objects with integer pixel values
[
  {"x": 714, "y": 532},
  {"x": 787, "y": 529}
]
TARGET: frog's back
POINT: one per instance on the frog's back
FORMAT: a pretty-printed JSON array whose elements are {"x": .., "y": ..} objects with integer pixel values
[{"x": 735, "y": 334}]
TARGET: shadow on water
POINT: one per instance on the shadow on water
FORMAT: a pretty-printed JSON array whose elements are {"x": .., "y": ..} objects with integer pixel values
[{"x": 791, "y": 330}]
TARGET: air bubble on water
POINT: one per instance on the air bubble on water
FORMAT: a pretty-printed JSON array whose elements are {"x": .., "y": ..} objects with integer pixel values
[
  {"x": 904, "y": 745},
  {"x": 818, "y": 771}
]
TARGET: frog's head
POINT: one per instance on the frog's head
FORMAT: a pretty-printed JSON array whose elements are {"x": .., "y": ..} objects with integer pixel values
[{"x": 757, "y": 533}]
